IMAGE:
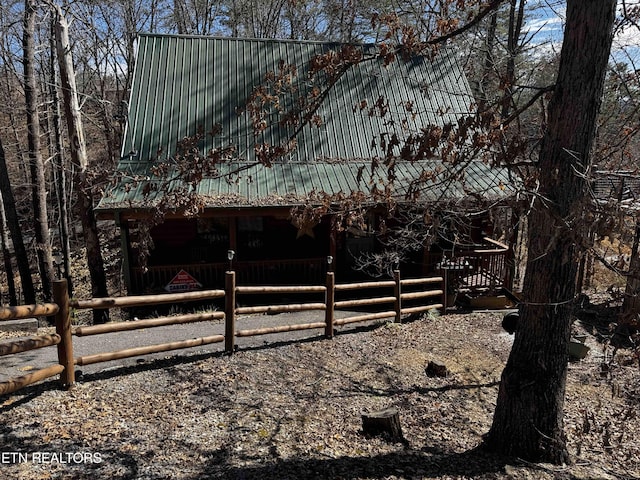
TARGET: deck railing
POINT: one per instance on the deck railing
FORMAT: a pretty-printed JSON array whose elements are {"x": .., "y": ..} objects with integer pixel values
[
  {"x": 487, "y": 270},
  {"x": 483, "y": 269}
]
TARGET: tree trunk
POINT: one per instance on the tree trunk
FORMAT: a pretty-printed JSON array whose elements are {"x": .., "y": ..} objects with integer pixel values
[
  {"x": 22, "y": 259},
  {"x": 57, "y": 154},
  {"x": 36, "y": 165},
  {"x": 528, "y": 420},
  {"x": 631, "y": 304},
  {"x": 516, "y": 16},
  {"x": 6, "y": 255},
  {"x": 488, "y": 66},
  {"x": 79, "y": 157}
]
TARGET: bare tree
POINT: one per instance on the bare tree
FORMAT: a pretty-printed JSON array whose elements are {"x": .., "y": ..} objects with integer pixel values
[
  {"x": 79, "y": 158},
  {"x": 58, "y": 163},
  {"x": 6, "y": 255},
  {"x": 36, "y": 164},
  {"x": 13, "y": 223},
  {"x": 528, "y": 419}
]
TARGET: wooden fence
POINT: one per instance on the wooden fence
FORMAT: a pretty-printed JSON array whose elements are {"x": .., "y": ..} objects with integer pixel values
[{"x": 424, "y": 294}]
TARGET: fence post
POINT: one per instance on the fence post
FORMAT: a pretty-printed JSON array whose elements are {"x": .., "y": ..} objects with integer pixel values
[
  {"x": 443, "y": 310},
  {"x": 230, "y": 312},
  {"x": 63, "y": 328},
  {"x": 329, "y": 305},
  {"x": 445, "y": 288},
  {"x": 397, "y": 292}
]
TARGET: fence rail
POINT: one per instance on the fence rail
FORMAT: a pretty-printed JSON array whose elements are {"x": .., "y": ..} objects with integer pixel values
[{"x": 62, "y": 339}]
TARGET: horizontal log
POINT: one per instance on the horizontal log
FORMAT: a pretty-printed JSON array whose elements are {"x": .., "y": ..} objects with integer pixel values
[
  {"x": 414, "y": 295},
  {"x": 27, "y": 311},
  {"x": 282, "y": 289},
  {"x": 141, "y": 300},
  {"x": 501, "y": 247},
  {"x": 138, "y": 351},
  {"x": 17, "y": 383},
  {"x": 279, "y": 329},
  {"x": 364, "y": 318},
  {"x": 422, "y": 308},
  {"x": 296, "y": 307},
  {"x": 421, "y": 281},
  {"x": 150, "y": 323},
  {"x": 32, "y": 343},
  {"x": 357, "y": 286},
  {"x": 363, "y": 301}
]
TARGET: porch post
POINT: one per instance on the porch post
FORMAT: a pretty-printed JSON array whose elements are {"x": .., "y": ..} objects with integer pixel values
[
  {"x": 333, "y": 242},
  {"x": 123, "y": 225},
  {"x": 233, "y": 234}
]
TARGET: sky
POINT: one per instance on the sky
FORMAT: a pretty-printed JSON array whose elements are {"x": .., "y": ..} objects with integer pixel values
[{"x": 546, "y": 23}]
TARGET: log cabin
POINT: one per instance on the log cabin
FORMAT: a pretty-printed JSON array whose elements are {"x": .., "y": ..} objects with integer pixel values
[{"x": 335, "y": 133}]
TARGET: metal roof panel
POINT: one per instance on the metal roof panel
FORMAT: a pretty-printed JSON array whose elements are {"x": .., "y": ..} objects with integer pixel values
[{"x": 182, "y": 83}]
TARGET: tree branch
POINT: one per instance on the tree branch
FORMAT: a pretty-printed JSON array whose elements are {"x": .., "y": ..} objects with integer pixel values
[{"x": 491, "y": 6}]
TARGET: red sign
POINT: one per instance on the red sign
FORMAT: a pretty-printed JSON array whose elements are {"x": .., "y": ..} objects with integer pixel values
[{"x": 183, "y": 282}]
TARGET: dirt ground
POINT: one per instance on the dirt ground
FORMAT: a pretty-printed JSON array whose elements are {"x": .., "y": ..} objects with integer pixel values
[{"x": 292, "y": 410}]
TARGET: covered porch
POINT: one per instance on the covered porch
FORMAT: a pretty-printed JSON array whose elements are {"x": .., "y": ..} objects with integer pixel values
[{"x": 262, "y": 247}]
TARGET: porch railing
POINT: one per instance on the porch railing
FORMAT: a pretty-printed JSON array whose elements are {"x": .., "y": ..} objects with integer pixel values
[{"x": 212, "y": 275}]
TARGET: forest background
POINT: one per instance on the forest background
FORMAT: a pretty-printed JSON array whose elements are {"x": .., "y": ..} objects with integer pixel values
[{"x": 553, "y": 116}]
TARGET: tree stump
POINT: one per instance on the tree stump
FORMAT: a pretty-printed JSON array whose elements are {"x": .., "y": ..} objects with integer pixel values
[
  {"x": 385, "y": 421},
  {"x": 435, "y": 369}
]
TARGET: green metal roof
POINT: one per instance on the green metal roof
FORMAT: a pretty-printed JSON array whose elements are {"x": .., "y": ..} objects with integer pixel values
[{"x": 182, "y": 83}]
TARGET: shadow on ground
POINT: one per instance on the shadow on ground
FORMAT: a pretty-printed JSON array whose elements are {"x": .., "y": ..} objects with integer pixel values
[{"x": 405, "y": 464}]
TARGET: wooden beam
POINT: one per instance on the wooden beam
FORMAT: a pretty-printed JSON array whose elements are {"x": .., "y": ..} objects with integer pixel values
[
  {"x": 297, "y": 307},
  {"x": 17, "y": 383},
  {"x": 32, "y": 343},
  {"x": 28, "y": 311},
  {"x": 150, "y": 323},
  {"x": 63, "y": 328},
  {"x": 421, "y": 281},
  {"x": 140, "y": 300},
  {"x": 330, "y": 306},
  {"x": 364, "y": 301},
  {"x": 364, "y": 318},
  {"x": 283, "y": 289},
  {"x": 360, "y": 285},
  {"x": 134, "y": 352},
  {"x": 415, "y": 295},
  {"x": 230, "y": 312},
  {"x": 279, "y": 329},
  {"x": 422, "y": 308}
]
